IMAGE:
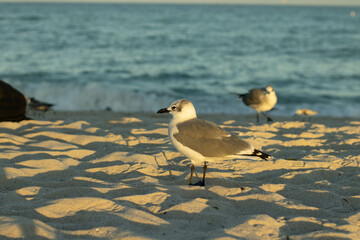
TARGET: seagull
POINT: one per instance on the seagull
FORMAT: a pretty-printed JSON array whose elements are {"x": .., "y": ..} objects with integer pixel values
[
  {"x": 306, "y": 112},
  {"x": 35, "y": 104},
  {"x": 203, "y": 141},
  {"x": 260, "y": 99}
]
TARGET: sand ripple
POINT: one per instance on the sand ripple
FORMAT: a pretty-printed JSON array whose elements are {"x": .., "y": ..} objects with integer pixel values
[{"x": 115, "y": 176}]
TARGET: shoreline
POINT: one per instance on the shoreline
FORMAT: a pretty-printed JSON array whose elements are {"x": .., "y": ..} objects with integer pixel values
[
  {"x": 106, "y": 175},
  {"x": 243, "y": 118}
]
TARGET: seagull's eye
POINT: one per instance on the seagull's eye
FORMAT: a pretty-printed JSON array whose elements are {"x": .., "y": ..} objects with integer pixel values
[{"x": 173, "y": 108}]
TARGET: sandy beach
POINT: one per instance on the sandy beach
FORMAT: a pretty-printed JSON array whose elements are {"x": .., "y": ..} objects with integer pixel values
[{"x": 103, "y": 175}]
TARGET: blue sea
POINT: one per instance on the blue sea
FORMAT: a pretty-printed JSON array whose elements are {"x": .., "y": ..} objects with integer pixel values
[{"x": 141, "y": 57}]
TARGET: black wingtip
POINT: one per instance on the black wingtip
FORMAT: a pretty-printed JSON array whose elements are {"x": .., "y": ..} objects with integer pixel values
[{"x": 262, "y": 155}]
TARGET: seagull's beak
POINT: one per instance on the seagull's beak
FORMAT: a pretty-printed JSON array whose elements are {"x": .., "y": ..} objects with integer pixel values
[{"x": 163, "y": 110}]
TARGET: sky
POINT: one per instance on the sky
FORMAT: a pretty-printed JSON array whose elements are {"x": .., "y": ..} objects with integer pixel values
[{"x": 288, "y": 2}]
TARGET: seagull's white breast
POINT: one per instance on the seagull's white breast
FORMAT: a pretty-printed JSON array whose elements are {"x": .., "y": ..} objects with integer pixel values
[
  {"x": 267, "y": 103},
  {"x": 195, "y": 157}
]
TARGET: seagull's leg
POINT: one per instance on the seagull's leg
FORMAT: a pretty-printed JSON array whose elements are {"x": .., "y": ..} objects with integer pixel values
[
  {"x": 257, "y": 117},
  {"x": 199, "y": 183},
  {"x": 267, "y": 117},
  {"x": 205, "y": 167},
  {"x": 191, "y": 174}
]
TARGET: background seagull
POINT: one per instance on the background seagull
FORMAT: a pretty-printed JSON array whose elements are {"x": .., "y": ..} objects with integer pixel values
[
  {"x": 306, "y": 112},
  {"x": 260, "y": 99},
  {"x": 35, "y": 104},
  {"x": 203, "y": 141}
]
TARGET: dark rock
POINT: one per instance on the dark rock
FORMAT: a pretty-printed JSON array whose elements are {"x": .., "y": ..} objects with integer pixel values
[{"x": 12, "y": 103}]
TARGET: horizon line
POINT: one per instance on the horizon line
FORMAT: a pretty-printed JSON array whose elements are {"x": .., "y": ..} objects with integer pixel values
[{"x": 190, "y": 2}]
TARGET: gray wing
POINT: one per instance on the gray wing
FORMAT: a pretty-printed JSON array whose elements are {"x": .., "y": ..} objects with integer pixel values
[
  {"x": 255, "y": 96},
  {"x": 208, "y": 139}
]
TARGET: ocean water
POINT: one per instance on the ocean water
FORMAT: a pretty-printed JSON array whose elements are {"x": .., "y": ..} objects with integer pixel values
[{"x": 138, "y": 57}]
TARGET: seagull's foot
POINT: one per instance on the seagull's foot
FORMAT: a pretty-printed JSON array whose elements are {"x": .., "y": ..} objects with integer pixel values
[
  {"x": 199, "y": 183},
  {"x": 269, "y": 119}
]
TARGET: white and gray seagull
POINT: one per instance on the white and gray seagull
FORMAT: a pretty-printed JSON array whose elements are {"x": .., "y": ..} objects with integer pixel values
[
  {"x": 37, "y": 105},
  {"x": 203, "y": 141},
  {"x": 260, "y": 99}
]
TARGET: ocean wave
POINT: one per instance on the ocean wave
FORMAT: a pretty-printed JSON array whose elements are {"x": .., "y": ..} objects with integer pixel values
[
  {"x": 127, "y": 58},
  {"x": 92, "y": 96},
  {"x": 30, "y": 18}
]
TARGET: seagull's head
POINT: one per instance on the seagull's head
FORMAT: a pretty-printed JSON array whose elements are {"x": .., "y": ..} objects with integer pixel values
[
  {"x": 181, "y": 110},
  {"x": 269, "y": 89},
  {"x": 299, "y": 112}
]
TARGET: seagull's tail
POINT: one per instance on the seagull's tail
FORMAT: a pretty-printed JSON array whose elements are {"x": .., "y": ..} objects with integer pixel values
[
  {"x": 240, "y": 95},
  {"x": 39, "y": 103},
  {"x": 261, "y": 154}
]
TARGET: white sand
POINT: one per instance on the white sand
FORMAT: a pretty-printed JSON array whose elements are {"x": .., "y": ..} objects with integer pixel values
[{"x": 100, "y": 175}]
